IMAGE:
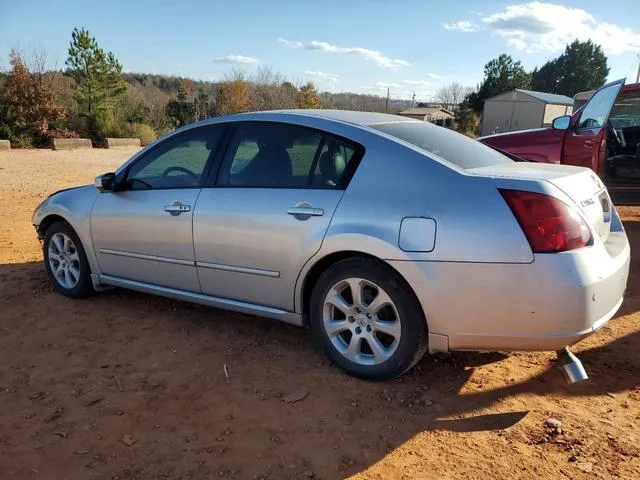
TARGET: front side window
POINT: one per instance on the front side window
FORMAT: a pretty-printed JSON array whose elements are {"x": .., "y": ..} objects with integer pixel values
[
  {"x": 285, "y": 156},
  {"x": 597, "y": 110},
  {"x": 179, "y": 162}
]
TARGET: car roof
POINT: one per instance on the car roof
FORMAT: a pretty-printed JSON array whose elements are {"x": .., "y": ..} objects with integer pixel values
[{"x": 347, "y": 116}]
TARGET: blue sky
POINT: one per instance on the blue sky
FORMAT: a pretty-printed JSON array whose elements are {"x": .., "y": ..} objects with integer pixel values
[{"x": 347, "y": 45}]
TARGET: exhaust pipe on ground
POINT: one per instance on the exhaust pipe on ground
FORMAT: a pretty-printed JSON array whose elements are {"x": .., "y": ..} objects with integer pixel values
[{"x": 571, "y": 366}]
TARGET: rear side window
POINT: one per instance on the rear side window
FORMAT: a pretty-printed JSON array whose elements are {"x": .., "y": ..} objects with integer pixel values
[
  {"x": 278, "y": 155},
  {"x": 447, "y": 144}
]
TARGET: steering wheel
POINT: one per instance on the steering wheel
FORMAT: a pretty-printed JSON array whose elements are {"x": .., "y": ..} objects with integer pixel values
[
  {"x": 613, "y": 133},
  {"x": 186, "y": 171}
]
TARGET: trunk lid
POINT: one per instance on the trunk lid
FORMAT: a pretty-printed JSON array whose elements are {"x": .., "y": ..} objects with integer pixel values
[{"x": 582, "y": 185}]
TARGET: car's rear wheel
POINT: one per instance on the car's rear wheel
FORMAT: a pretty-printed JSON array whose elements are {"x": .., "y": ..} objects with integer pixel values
[
  {"x": 366, "y": 320},
  {"x": 66, "y": 262}
]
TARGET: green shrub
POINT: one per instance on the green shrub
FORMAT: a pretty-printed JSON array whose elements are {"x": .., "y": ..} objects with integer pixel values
[{"x": 144, "y": 132}]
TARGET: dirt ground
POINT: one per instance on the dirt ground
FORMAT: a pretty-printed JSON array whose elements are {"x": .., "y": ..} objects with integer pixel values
[{"x": 126, "y": 385}]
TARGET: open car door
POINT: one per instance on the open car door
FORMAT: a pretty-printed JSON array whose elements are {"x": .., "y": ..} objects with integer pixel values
[{"x": 585, "y": 142}]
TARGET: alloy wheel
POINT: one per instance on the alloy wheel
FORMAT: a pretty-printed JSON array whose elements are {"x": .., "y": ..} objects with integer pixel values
[
  {"x": 361, "y": 321},
  {"x": 64, "y": 260}
]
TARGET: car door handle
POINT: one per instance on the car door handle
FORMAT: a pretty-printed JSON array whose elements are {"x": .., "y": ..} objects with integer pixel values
[
  {"x": 588, "y": 143},
  {"x": 306, "y": 211},
  {"x": 176, "y": 208}
]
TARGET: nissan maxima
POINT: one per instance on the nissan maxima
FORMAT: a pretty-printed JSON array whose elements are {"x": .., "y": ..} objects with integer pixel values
[{"x": 386, "y": 236}]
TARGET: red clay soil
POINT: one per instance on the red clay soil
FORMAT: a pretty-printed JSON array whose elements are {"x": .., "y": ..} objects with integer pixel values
[{"x": 129, "y": 386}]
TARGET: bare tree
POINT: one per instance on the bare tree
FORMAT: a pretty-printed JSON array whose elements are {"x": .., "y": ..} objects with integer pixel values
[
  {"x": 36, "y": 59},
  {"x": 235, "y": 74},
  {"x": 265, "y": 84},
  {"x": 271, "y": 90},
  {"x": 452, "y": 95}
]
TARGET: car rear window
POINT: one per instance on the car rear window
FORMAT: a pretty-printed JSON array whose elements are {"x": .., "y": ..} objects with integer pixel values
[{"x": 447, "y": 144}]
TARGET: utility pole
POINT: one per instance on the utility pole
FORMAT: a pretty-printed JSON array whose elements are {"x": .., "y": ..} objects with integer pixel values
[
  {"x": 386, "y": 106},
  {"x": 413, "y": 99},
  {"x": 638, "y": 74}
]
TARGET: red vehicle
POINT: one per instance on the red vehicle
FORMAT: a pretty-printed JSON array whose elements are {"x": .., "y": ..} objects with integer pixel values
[{"x": 603, "y": 135}]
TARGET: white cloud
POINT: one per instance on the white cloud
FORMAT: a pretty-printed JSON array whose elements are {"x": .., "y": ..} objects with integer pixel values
[
  {"x": 373, "y": 55},
  {"x": 387, "y": 85},
  {"x": 237, "y": 59},
  {"x": 424, "y": 83},
  {"x": 291, "y": 44},
  {"x": 541, "y": 26},
  {"x": 434, "y": 76},
  {"x": 463, "y": 25},
  {"x": 323, "y": 76}
]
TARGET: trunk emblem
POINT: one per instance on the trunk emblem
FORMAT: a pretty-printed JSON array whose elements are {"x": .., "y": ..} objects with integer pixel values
[{"x": 587, "y": 203}]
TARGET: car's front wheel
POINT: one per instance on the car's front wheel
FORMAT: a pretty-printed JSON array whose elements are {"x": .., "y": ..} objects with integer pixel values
[
  {"x": 66, "y": 262},
  {"x": 366, "y": 320}
]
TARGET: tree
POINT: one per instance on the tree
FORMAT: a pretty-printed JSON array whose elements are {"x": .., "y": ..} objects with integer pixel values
[
  {"x": 180, "y": 110},
  {"x": 308, "y": 97},
  {"x": 545, "y": 78},
  {"x": 265, "y": 84},
  {"x": 452, "y": 95},
  {"x": 234, "y": 97},
  {"x": 582, "y": 67},
  {"x": 98, "y": 77},
  {"x": 500, "y": 75},
  {"x": 468, "y": 122},
  {"x": 202, "y": 104},
  {"x": 288, "y": 95},
  {"x": 29, "y": 111}
]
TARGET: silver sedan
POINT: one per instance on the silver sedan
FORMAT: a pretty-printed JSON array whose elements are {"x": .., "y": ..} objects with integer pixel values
[{"x": 387, "y": 236}]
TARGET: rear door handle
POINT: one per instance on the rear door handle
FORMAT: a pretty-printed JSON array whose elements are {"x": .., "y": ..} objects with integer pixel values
[
  {"x": 588, "y": 143},
  {"x": 306, "y": 211},
  {"x": 176, "y": 208}
]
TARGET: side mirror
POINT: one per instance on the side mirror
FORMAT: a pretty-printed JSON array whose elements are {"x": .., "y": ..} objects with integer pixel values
[
  {"x": 106, "y": 182},
  {"x": 561, "y": 123}
]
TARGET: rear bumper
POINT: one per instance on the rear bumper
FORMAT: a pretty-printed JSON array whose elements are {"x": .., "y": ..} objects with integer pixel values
[{"x": 556, "y": 300}]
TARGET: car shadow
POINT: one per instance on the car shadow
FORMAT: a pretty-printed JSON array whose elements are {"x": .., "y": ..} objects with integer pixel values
[{"x": 160, "y": 362}]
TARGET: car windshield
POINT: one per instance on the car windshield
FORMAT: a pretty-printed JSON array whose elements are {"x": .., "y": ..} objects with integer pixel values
[{"x": 451, "y": 146}]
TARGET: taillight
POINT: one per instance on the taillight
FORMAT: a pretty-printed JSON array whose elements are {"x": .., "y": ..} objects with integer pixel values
[{"x": 549, "y": 224}]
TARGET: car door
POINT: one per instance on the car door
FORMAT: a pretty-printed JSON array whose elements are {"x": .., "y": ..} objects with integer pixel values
[
  {"x": 143, "y": 230},
  {"x": 585, "y": 141},
  {"x": 277, "y": 188}
]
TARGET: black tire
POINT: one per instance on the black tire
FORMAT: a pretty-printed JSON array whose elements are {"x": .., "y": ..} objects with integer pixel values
[
  {"x": 84, "y": 286},
  {"x": 413, "y": 338}
]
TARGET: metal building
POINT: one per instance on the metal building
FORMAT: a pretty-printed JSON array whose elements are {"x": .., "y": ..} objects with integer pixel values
[
  {"x": 579, "y": 99},
  {"x": 523, "y": 109},
  {"x": 438, "y": 115}
]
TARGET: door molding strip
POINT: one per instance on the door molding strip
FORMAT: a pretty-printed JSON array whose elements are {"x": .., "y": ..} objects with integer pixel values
[
  {"x": 233, "y": 268},
  {"x": 191, "y": 263},
  {"x": 144, "y": 256}
]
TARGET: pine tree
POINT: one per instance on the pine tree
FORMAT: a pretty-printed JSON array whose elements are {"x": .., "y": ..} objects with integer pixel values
[
  {"x": 180, "y": 110},
  {"x": 500, "y": 75},
  {"x": 98, "y": 77}
]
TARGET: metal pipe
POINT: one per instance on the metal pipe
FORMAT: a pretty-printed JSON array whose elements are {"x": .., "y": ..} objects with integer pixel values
[{"x": 571, "y": 366}]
